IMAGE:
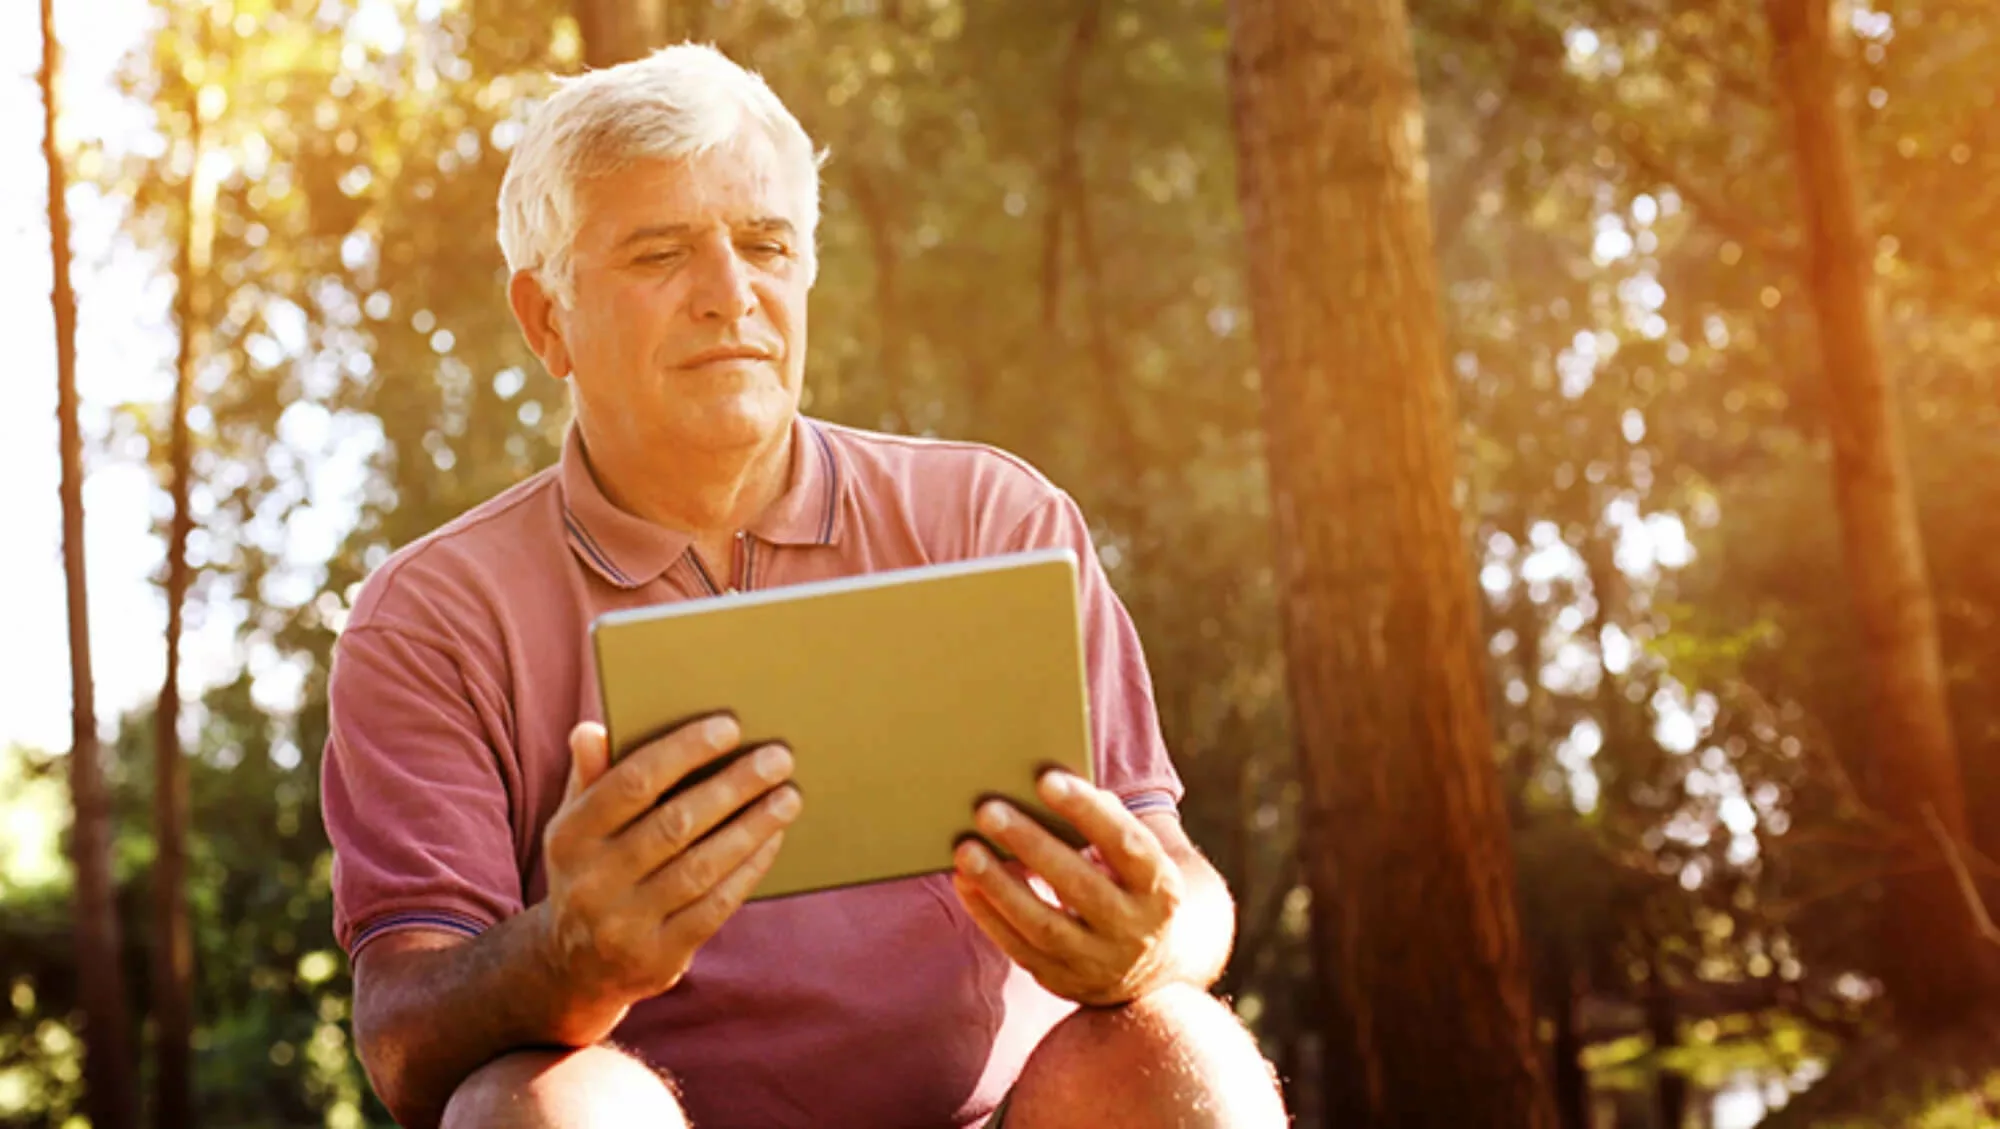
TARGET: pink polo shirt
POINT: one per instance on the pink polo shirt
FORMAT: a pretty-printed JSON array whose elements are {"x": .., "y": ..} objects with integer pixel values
[{"x": 466, "y": 662}]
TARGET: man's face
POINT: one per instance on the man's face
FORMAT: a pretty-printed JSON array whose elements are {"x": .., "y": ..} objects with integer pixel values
[{"x": 689, "y": 325}]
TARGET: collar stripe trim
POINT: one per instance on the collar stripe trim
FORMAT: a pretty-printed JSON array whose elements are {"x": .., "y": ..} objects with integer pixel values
[
  {"x": 832, "y": 486},
  {"x": 592, "y": 550}
]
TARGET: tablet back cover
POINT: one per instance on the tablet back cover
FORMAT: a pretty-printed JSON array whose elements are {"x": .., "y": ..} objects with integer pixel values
[{"x": 903, "y": 695}]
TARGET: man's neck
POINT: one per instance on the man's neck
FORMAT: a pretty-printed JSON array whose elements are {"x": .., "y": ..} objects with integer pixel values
[{"x": 707, "y": 494}]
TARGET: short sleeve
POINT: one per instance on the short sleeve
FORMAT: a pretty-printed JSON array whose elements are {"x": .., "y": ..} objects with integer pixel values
[
  {"x": 415, "y": 792},
  {"x": 1131, "y": 755}
]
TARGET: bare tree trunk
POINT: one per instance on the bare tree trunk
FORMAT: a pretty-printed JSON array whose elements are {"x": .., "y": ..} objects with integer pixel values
[
  {"x": 1344, "y": 1077},
  {"x": 1412, "y": 876},
  {"x": 1670, "y": 1086},
  {"x": 617, "y": 31},
  {"x": 110, "y": 1079},
  {"x": 173, "y": 943},
  {"x": 1290, "y": 1065},
  {"x": 1932, "y": 963},
  {"x": 1115, "y": 435},
  {"x": 1571, "y": 1081},
  {"x": 872, "y": 201}
]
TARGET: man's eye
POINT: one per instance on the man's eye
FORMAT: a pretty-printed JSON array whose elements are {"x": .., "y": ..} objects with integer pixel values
[
  {"x": 765, "y": 249},
  {"x": 657, "y": 258}
]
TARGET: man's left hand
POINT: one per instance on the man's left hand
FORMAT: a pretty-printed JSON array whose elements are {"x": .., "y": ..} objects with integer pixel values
[{"x": 1108, "y": 941}]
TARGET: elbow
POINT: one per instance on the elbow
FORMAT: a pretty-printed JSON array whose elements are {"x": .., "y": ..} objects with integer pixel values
[
  {"x": 383, "y": 1047},
  {"x": 393, "y": 1033}
]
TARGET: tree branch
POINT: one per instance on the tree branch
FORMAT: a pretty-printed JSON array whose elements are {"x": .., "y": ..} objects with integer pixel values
[
  {"x": 1545, "y": 76},
  {"x": 1629, "y": 137},
  {"x": 1966, "y": 884}
]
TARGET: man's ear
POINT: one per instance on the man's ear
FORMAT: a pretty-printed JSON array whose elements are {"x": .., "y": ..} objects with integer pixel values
[{"x": 539, "y": 317}]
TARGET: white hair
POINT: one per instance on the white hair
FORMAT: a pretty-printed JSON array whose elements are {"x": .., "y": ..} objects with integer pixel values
[{"x": 676, "y": 103}]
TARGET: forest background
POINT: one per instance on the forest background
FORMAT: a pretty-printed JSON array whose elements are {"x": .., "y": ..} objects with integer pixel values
[{"x": 1033, "y": 236}]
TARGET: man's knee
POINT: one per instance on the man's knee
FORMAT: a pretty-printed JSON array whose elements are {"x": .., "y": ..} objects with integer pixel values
[
  {"x": 1175, "y": 1057},
  {"x": 590, "y": 1088}
]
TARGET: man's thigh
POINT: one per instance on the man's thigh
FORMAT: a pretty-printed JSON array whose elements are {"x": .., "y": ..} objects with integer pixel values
[{"x": 590, "y": 1088}]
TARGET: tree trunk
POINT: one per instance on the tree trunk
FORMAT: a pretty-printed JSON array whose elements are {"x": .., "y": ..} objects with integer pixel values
[
  {"x": 173, "y": 942},
  {"x": 618, "y": 31},
  {"x": 1115, "y": 436},
  {"x": 1408, "y": 858},
  {"x": 1344, "y": 1092},
  {"x": 1670, "y": 1086},
  {"x": 1291, "y": 1068},
  {"x": 1571, "y": 1081},
  {"x": 1931, "y": 962},
  {"x": 110, "y": 1080},
  {"x": 878, "y": 216}
]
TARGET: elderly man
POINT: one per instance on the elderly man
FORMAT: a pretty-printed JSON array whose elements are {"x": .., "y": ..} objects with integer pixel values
[{"x": 537, "y": 939}]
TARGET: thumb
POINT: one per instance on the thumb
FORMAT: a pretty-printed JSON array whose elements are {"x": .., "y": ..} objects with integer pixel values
[{"x": 589, "y": 758}]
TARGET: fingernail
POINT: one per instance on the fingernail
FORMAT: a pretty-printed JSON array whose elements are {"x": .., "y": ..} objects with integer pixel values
[
  {"x": 995, "y": 816},
  {"x": 719, "y": 731},
  {"x": 773, "y": 762},
  {"x": 974, "y": 858},
  {"x": 1056, "y": 785},
  {"x": 785, "y": 804}
]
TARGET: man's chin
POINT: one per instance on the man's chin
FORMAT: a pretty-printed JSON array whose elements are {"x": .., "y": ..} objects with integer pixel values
[{"x": 737, "y": 422}]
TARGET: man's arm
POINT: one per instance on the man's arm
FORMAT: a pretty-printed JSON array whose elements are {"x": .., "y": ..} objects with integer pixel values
[
  {"x": 432, "y": 1007},
  {"x": 1204, "y": 931},
  {"x": 635, "y": 888}
]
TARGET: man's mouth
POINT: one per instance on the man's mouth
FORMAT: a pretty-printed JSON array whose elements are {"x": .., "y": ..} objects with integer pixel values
[{"x": 725, "y": 354}]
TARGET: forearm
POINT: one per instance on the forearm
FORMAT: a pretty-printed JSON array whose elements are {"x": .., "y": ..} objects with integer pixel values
[
  {"x": 1205, "y": 927},
  {"x": 429, "y": 1011}
]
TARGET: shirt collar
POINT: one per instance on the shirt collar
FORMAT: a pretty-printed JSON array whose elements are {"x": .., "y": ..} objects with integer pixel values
[{"x": 629, "y": 551}]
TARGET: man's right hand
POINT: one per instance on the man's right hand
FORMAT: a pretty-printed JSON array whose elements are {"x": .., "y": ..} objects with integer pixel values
[{"x": 636, "y": 886}]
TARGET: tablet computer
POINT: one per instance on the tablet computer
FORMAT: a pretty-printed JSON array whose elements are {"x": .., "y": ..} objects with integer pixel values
[{"x": 905, "y": 696}]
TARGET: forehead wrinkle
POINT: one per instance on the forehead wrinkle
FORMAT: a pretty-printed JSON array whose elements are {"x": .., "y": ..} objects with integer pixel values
[
  {"x": 713, "y": 205},
  {"x": 741, "y": 186},
  {"x": 760, "y": 225}
]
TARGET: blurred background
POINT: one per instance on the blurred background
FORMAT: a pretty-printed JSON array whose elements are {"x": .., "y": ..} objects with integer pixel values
[{"x": 1033, "y": 237}]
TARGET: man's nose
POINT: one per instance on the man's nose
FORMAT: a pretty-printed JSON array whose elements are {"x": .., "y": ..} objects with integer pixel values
[{"x": 722, "y": 285}]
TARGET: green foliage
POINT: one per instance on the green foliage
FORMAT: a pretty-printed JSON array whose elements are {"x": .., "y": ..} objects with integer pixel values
[{"x": 1949, "y": 1080}]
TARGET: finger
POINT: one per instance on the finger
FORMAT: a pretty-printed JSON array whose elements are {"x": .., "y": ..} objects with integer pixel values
[
  {"x": 1079, "y": 885},
  {"x": 589, "y": 757},
  {"x": 659, "y": 835},
  {"x": 698, "y": 870},
  {"x": 995, "y": 925},
  {"x": 1020, "y": 870},
  {"x": 1128, "y": 846},
  {"x": 693, "y": 926},
  {"x": 634, "y": 785},
  {"x": 1047, "y": 928}
]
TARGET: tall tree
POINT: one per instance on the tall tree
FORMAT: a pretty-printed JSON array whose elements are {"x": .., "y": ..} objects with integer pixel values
[
  {"x": 1930, "y": 949},
  {"x": 109, "y": 1073},
  {"x": 173, "y": 941},
  {"x": 1406, "y": 834},
  {"x": 616, "y": 31}
]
